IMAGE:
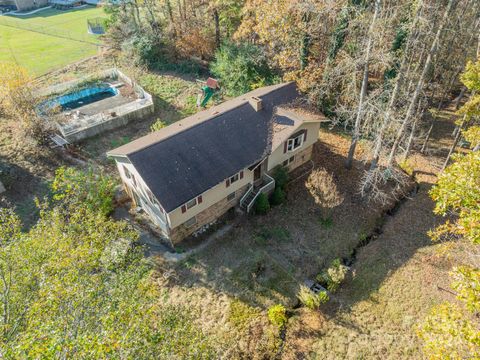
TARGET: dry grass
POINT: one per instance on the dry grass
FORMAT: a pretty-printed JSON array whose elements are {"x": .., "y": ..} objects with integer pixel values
[
  {"x": 264, "y": 259},
  {"x": 393, "y": 282}
]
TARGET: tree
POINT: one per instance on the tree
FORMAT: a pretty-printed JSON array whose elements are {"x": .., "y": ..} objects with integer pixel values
[
  {"x": 89, "y": 188},
  {"x": 363, "y": 89},
  {"x": 452, "y": 329},
  {"x": 241, "y": 68},
  {"x": 470, "y": 111},
  {"x": 17, "y": 100},
  {"x": 77, "y": 286},
  {"x": 323, "y": 189},
  {"x": 261, "y": 204}
]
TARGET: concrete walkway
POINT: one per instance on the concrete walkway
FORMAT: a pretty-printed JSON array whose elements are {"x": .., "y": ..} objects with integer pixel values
[{"x": 154, "y": 247}]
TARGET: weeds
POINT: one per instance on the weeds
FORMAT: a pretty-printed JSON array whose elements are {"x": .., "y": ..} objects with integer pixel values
[
  {"x": 311, "y": 300},
  {"x": 241, "y": 314}
]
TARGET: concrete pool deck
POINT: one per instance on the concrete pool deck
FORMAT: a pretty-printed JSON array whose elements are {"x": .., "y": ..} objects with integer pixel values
[
  {"x": 131, "y": 103},
  {"x": 101, "y": 105}
]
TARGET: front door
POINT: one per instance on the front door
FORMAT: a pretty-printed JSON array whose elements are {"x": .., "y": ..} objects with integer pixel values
[{"x": 257, "y": 173}]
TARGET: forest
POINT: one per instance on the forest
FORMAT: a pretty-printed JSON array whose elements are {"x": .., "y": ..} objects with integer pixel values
[{"x": 388, "y": 75}]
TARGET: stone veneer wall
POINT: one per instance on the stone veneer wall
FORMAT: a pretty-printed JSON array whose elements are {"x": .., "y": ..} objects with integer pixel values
[{"x": 207, "y": 216}]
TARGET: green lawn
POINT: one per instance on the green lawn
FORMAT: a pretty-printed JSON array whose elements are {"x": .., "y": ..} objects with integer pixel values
[{"x": 20, "y": 40}]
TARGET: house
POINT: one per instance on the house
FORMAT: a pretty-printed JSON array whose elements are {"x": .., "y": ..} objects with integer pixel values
[{"x": 185, "y": 176}]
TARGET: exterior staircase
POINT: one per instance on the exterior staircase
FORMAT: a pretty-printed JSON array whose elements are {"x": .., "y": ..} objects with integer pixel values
[{"x": 248, "y": 200}]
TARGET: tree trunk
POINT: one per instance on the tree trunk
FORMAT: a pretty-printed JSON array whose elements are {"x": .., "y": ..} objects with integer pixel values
[
  {"x": 439, "y": 107},
  {"x": 419, "y": 87},
  {"x": 216, "y": 19},
  {"x": 412, "y": 133},
  {"x": 363, "y": 90},
  {"x": 402, "y": 71},
  {"x": 306, "y": 43},
  {"x": 454, "y": 145}
]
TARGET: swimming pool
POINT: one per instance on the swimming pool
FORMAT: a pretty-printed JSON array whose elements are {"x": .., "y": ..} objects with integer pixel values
[{"x": 79, "y": 98}]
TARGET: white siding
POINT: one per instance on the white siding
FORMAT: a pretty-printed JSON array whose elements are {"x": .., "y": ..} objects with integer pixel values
[
  {"x": 158, "y": 216},
  {"x": 277, "y": 157}
]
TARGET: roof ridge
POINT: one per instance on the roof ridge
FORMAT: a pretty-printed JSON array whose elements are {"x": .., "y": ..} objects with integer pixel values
[{"x": 236, "y": 103}]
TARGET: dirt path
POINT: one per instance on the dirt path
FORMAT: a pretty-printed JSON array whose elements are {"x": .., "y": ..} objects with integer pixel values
[{"x": 393, "y": 283}]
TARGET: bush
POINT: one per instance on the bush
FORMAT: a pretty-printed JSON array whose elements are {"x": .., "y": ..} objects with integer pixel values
[
  {"x": 88, "y": 188},
  {"x": 333, "y": 276},
  {"x": 261, "y": 204},
  {"x": 241, "y": 68},
  {"x": 405, "y": 166},
  {"x": 277, "y": 314},
  {"x": 157, "y": 125},
  {"x": 311, "y": 300},
  {"x": 278, "y": 196},
  {"x": 144, "y": 49},
  {"x": 323, "y": 189},
  {"x": 280, "y": 174}
]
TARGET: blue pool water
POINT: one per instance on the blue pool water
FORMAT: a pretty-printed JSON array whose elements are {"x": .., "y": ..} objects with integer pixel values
[{"x": 79, "y": 98}]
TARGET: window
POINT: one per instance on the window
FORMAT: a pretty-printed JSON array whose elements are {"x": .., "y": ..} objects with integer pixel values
[
  {"x": 288, "y": 161},
  {"x": 234, "y": 178},
  {"x": 295, "y": 143},
  {"x": 190, "y": 222},
  {"x": 191, "y": 203},
  {"x": 231, "y": 196},
  {"x": 128, "y": 174},
  {"x": 153, "y": 200}
]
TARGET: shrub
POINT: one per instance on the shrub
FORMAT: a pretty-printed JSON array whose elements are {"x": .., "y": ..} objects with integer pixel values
[
  {"x": 323, "y": 189},
  {"x": 278, "y": 196},
  {"x": 405, "y": 166},
  {"x": 334, "y": 275},
  {"x": 144, "y": 49},
  {"x": 261, "y": 204},
  {"x": 157, "y": 125},
  {"x": 277, "y": 314},
  {"x": 241, "y": 314},
  {"x": 311, "y": 300},
  {"x": 326, "y": 223},
  {"x": 280, "y": 174},
  {"x": 241, "y": 67},
  {"x": 84, "y": 187}
]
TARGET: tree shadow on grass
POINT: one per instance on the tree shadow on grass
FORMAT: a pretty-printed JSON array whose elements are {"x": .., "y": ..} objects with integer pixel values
[{"x": 22, "y": 188}]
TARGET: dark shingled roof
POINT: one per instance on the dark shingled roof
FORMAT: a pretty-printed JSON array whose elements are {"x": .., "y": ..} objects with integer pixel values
[{"x": 191, "y": 161}]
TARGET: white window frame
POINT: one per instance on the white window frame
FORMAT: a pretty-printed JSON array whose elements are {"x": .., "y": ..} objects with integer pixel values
[
  {"x": 127, "y": 172},
  {"x": 191, "y": 203},
  {"x": 234, "y": 178},
  {"x": 231, "y": 196},
  {"x": 191, "y": 222},
  {"x": 291, "y": 143}
]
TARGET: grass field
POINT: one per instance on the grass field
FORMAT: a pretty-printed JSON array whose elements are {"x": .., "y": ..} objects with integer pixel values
[{"x": 23, "y": 39}]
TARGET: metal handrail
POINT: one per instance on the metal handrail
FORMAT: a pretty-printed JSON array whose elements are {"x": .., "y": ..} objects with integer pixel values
[
  {"x": 250, "y": 189},
  {"x": 263, "y": 189}
]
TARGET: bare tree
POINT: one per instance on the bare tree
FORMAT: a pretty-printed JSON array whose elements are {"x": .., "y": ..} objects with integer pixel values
[
  {"x": 420, "y": 82},
  {"x": 363, "y": 89}
]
